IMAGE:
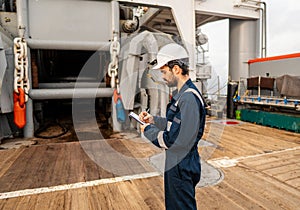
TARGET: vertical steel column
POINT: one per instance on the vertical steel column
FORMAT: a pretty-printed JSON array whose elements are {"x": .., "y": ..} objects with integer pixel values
[
  {"x": 185, "y": 19},
  {"x": 117, "y": 126},
  {"x": 3, "y": 65},
  {"x": 22, "y": 18},
  {"x": 29, "y": 127},
  {"x": 244, "y": 45},
  {"x": 23, "y": 32}
]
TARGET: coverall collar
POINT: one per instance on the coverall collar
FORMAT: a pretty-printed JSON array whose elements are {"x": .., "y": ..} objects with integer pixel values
[{"x": 176, "y": 94}]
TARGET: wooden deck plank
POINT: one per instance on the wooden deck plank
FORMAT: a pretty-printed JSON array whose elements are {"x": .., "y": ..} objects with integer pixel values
[
  {"x": 28, "y": 202},
  {"x": 18, "y": 174},
  {"x": 248, "y": 139},
  {"x": 100, "y": 197},
  {"x": 294, "y": 182},
  {"x": 283, "y": 169},
  {"x": 137, "y": 165},
  {"x": 283, "y": 166},
  {"x": 95, "y": 156},
  {"x": 272, "y": 189},
  {"x": 78, "y": 200},
  {"x": 245, "y": 188},
  {"x": 249, "y": 183},
  {"x": 58, "y": 164},
  {"x": 210, "y": 198},
  {"x": 141, "y": 151},
  {"x": 274, "y": 160},
  {"x": 44, "y": 201},
  {"x": 151, "y": 191},
  {"x": 237, "y": 197},
  {"x": 7, "y": 158},
  {"x": 288, "y": 175},
  {"x": 116, "y": 158},
  {"x": 131, "y": 193}
]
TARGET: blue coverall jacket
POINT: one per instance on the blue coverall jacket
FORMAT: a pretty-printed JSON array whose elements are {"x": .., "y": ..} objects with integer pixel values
[{"x": 179, "y": 133}]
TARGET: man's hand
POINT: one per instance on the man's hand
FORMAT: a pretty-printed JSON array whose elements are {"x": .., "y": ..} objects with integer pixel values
[
  {"x": 146, "y": 117},
  {"x": 142, "y": 127}
]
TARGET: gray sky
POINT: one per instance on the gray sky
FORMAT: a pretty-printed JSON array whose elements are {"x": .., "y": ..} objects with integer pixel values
[
  {"x": 283, "y": 37},
  {"x": 283, "y": 27}
]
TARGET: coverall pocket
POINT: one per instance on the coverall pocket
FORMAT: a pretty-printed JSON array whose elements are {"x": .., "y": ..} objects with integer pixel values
[
  {"x": 190, "y": 169},
  {"x": 177, "y": 178}
]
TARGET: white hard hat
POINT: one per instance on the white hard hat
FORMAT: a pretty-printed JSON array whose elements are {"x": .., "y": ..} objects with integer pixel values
[{"x": 169, "y": 53}]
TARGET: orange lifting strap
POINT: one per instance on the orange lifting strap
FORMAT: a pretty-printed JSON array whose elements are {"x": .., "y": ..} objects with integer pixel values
[
  {"x": 19, "y": 108},
  {"x": 117, "y": 96}
]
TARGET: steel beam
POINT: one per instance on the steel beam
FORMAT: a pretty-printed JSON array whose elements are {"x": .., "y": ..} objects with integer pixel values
[
  {"x": 68, "y": 45},
  {"x": 71, "y": 85},
  {"x": 42, "y": 94}
]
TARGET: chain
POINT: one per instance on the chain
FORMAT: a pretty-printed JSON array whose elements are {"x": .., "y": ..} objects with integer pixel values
[
  {"x": 21, "y": 67},
  {"x": 113, "y": 65}
]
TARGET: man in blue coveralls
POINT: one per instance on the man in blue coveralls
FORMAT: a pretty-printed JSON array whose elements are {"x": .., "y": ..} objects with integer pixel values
[{"x": 181, "y": 130}]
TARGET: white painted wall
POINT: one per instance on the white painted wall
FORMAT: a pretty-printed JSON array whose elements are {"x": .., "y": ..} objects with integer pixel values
[{"x": 276, "y": 68}]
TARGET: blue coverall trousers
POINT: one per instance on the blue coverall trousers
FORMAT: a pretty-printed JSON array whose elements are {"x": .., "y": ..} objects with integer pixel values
[{"x": 180, "y": 182}]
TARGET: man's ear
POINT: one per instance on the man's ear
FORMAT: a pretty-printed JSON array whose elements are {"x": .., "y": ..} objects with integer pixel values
[{"x": 177, "y": 70}]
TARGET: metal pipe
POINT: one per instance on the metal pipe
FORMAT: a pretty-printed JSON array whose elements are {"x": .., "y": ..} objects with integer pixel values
[
  {"x": 161, "y": 27},
  {"x": 264, "y": 25},
  {"x": 259, "y": 80},
  {"x": 203, "y": 53},
  {"x": 247, "y": 6},
  {"x": 67, "y": 45},
  {"x": 270, "y": 98},
  {"x": 71, "y": 85},
  {"x": 218, "y": 86},
  {"x": 255, "y": 1},
  {"x": 29, "y": 127},
  {"x": 264, "y": 46},
  {"x": 115, "y": 17},
  {"x": 41, "y": 94},
  {"x": 21, "y": 6},
  {"x": 272, "y": 104},
  {"x": 262, "y": 34}
]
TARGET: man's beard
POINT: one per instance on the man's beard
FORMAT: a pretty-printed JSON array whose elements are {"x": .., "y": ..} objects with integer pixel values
[{"x": 172, "y": 83}]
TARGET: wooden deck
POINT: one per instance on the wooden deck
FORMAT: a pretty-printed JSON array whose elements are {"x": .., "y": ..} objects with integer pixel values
[{"x": 260, "y": 165}]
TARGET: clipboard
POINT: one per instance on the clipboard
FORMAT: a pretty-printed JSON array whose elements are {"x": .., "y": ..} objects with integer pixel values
[{"x": 136, "y": 117}]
